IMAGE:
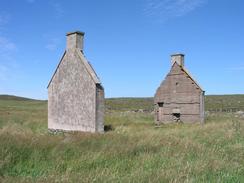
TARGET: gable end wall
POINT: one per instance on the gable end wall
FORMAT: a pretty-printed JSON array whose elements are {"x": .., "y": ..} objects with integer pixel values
[
  {"x": 179, "y": 92},
  {"x": 72, "y": 96}
]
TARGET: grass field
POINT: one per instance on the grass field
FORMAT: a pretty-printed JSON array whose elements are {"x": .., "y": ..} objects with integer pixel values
[{"x": 133, "y": 151}]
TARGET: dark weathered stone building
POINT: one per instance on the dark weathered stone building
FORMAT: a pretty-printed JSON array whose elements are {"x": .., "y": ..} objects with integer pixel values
[
  {"x": 75, "y": 93},
  {"x": 179, "y": 97}
]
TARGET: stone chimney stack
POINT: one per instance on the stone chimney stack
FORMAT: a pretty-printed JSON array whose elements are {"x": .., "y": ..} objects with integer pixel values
[
  {"x": 179, "y": 58},
  {"x": 75, "y": 40}
]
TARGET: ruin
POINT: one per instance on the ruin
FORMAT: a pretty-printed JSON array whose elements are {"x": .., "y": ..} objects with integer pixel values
[
  {"x": 179, "y": 98},
  {"x": 75, "y": 93}
]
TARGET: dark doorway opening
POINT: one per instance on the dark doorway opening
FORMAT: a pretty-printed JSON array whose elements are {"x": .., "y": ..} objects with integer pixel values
[
  {"x": 176, "y": 117},
  {"x": 161, "y": 104},
  {"x": 108, "y": 128},
  {"x": 159, "y": 110}
]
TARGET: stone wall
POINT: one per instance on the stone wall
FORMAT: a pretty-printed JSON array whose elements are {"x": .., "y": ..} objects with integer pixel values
[
  {"x": 100, "y": 108},
  {"x": 179, "y": 92}
]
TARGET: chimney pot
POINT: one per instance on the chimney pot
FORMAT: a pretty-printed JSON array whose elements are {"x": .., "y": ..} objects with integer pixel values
[
  {"x": 75, "y": 40},
  {"x": 178, "y": 58}
]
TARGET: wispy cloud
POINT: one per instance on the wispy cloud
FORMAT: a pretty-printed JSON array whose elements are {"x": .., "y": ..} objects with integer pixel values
[
  {"x": 7, "y": 61},
  {"x": 7, "y": 50},
  {"x": 30, "y": 1},
  {"x": 58, "y": 9},
  {"x": 4, "y": 19},
  {"x": 235, "y": 69},
  {"x": 3, "y": 72},
  {"x": 164, "y": 10},
  {"x": 6, "y": 45},
  {"x": 53, "y": 44}
]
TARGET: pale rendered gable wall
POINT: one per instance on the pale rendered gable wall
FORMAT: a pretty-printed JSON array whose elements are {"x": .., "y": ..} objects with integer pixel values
[
  {"x": 72, "y": 94},
  {"x": 75, "y": 94}
]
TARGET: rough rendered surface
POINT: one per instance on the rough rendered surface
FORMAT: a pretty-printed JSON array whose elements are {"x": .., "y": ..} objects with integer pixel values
[{"x": 75, "y": 98}]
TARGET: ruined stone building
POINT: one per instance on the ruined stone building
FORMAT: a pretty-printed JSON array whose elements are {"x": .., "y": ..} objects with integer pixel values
[
  {"x": 75, "y": 93},
  {"x": 179, "y": 97}
]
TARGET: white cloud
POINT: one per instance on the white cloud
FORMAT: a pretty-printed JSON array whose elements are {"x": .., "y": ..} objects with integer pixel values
[
  {"x": 58, "y": 9},
  {"x": 6, "y": 45},
  {"x": 3, "y": 72},
  {"x": 240, "y": 68},
  {"x": 163, "y": 10},
  {"x": 53, "y": 44},
  {"x": 7, "y": 52},
  {"x": 7, "y": 61},
  {"x": 4, "y": 19},
  {"x": 30, "y": 1}
]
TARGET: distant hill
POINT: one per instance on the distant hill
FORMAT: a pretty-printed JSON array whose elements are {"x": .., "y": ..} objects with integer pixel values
[
  {"x": 129, "y": 104},
  {"x": 225, "y": 102},
  {"x": 212, "y": 103},
  {"x": 12, "y": 97}
]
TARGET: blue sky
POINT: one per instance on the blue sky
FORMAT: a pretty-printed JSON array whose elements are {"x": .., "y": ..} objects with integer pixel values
[{"x": 129, "y": 43}]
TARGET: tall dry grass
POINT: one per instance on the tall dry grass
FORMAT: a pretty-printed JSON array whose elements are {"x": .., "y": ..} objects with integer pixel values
[{"x": 133, "y": 151}]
